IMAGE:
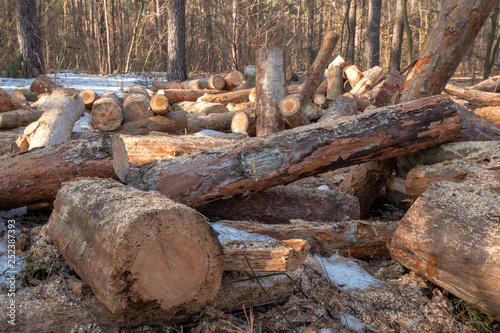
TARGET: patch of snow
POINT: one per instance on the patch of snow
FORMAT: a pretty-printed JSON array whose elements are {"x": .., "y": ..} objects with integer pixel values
[
  {"x": 84, "y": 124},
  {"x": 323, "y": 188},
  {"x": 208, "y": 132},
  {"x": 346, "y": 273},
  {"x": 352, "y": 322},
  {"x": 325, "y": 330},
  {"x": 13, "y": 213},
  {"x": 229, "y": 233}
]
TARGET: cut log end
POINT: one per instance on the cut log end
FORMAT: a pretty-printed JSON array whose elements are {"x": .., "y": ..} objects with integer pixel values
[
  {"x": 89, "y": 97},
  {"x": 240, "y": 123},
  {"x": 159, "y": 104},
  {"x": 289, "y": 105}
]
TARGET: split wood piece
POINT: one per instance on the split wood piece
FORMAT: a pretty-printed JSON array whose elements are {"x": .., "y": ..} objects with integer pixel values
[
  {"x": 159, "y": 104},
  {"x": 358, "y": 239},
  {"x": 265, "y": 256},
  {"x": 490, "y": 113},
  {"x": 191, "y": 85},
  {"x": 107, "y": 114},
  {"x": 294, "y": 89},
  {"x": 36, "y": 176},
  {"x": 269, "y": 90},
  {"x": 335, "y": 82},
  {"x": 489, "y": 85},
  {"x": 312, "y": 111},
  {"x": 7, "y": 102},
  {"x": 89, "y": 97},
  {"x": 159, "y": 85},
  {"x": 239, "y": 96},
  {"x": 240, "y": 106},
  {"x": 291, "y": 75},
  {"x": 216, "y": 82},
  {"x": 233, "y": 80},
  {"x": 200, "y": 107},
  {"x": 215, "y": 121},
  {"x": 28, "y": 95},
  {"x": 421, "y": 178},
  {"x": 340, "y": 107},
  {"x": 362, "y": 104},
  {"x": 395, "y": 190},
  {"x": 180, "y": 95},
  {"x": 290, "y": 155},
  {"x": 474, "y": 96},
  {"x": 353, "y": 75},
  {"x": 476, "y": 128},
  {"x": 173, "y": 122},
  {"x": 390, "y": 87},
  {"x": 369, "y": 80},
  {"x": 279, "y": 204},
  {"x": 16, "y": 118},
  {"x": 244, "y": 123},
  {"x": 472, "y": 150},
  {"x": 136, "y": 104},
  {"x": 450, "y": 236},
  {"x": 61, "y": 109},
  {"x": 133, "y": 150},
  {"x": 251, "y": 95},
  {"x": 8, "y": 141},
  {"x": 125, "y": 243},
  {"x": 338, "y": 61},
  {"x": 43, "y": 85}
]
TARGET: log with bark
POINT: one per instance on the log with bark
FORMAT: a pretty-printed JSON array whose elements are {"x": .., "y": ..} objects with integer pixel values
[
  {"x": 89, "y": 97},
  {"x": 239, "y": 96},
  {"x": 136, "y": 104},
  {"x": 390, "y": 87},
  {"x": 335, "y": 82},
  {"x": 173, "y": 122},
  {"x": 215, "y": 121},
  {"x": 158, "y": 85},
  {"x": 340, "y": 107},
  {"x": 451, "y": 237},
  {"x": 359, "y": 239},
  {"x": 240, "y": 106},
  {"x": 233, "y": 80},
  {"x": 126, "y": 244},
  {"x": 244, "y": 123},
  {"x": 476, "y": 128},
  {"x": 290, "y": 75},
  {"x": 16, "y": 118},
  {"x": 489, "y": 113},
  {"x": 181, "y": 95},
  {"x": 28, "y": 95},
  {"x": 280, "y": 204},
  {"x": 107, "y": 114},
  {"x": 474, "y": 96},
  {"x": 491, "y": 84},
  {"x": 294, "y": 89},
  {"x": 8, "y": 141},
  {"x": 36, "y": 176},
  {"x": 159, "y": 104},
  {"x": 287, "y": 156},
  {"x": 7, "y": 102},
  {"x": 43, "y": 85},
  {"x": 200, "y": 107},
  {"x": 353, "y": 75},
  {"x": 312, "y": 111}
]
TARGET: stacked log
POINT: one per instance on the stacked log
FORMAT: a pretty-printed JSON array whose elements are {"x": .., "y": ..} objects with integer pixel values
[
  {"x": 107, "y": 114},
  {"x": 136, "y": 104}
]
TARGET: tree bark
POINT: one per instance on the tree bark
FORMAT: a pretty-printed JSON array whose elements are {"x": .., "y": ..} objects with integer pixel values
[
  {"x": 43, "y": 85},
  {"x": 107, "y": 114},
  {"x": 158, "y": 85},
  {"x": 290, "y": 155},
  {"x": 177, "y": 40},
  {"x": 239, "y": 96},
  {"x": 476, "y": 128},
  {"x": 389, "y": 88},
  {"x": 16, "y": 118},
  {"x": 174, "y": 121},
  {"x": 200, "y": 107},
  {"x": 474, "y": 96},
  {"x": 125, "y": 243},
  {"x": 397, "y": 38},
  {"x": 136, "y": 104},
  {"x": 180, "y": 95},
  {"x": 373, "y": 33},
  {"x": 342, "y": 106},
  {"x": 351, "y": 26},
  {"x": 7, "y": 102}
]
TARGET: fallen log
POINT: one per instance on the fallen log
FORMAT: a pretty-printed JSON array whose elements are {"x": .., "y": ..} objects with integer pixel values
[
  {"x": 340, "y": 107},
  {"x": 244, "y": 123},
  {"x": 476, "y": 128},
  {"x": 8, "y": 141},
  {"x": 489, "y": 113},
  {"x": 491, "y": 84},
  {"x": 240, "y": 106},
  {"x": 28, "y": 95},
  {"x": 35, "y": 176},
  {"x": 291, "y": 75},
  {"x": 107, "y": 114},
  {"x": 159, "y": 85},
  {"x": 133, "y": 242},
  {"x": 136, "y": 104},
  {"x": 89, "y": 97},
  {"x": 7, "y": 102},
  {"x": 173, "y": 122},
  {"x": 43, "y": 85},
  {"x": 359, "y": 239},
  {"x": 214, "y": 121},
  {"x": 16, "y": 118},
  {"x": 395, "y": 191},
  {"x": 450, "y": 236},
  {"x": 251, "y": 95},
  {"x": 294, "y": 89},
  {"x": 280, "y": 204},
  {"x": 239, "y": 96},
  {"x": 180, "y": 95},
  {"x": 190, "y": 85},
  {"x": 282, "y": 158},
  {"x": 311, "y": 111},
  {"x": 200, "y": 107},
  {"x": 389, "y": 89},
  {"x": 474, "y": 96},
  {"x": 159, "y": 104},
  {"x": 233, "y": 80}
]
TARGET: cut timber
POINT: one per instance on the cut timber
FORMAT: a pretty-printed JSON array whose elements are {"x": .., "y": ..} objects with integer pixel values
[
  {"x": 338, "y": 61},
  {"x": 290, "y": 155},
  {"x": 239, "y": 96},
  {"x": 89, "y": 97},
  {"x": 28, "y": 95},
  {"x": 36, "y": 176},
  {"x": 159, "y": 104},
  {"x": 200, "y": 107},
  {"x": 395, "y": 189},
  {"x": 240, "y": 106},
  {"x": 190, "y": 85},
  {"x": 136, "y": 104},
  {"x": 125, "y": 244},
  {"x": 451, "y": 237},
  {"x": 180, "y": 95},
  {"x": 319, "y": 100},
  {"x": 389, "y": 89},
  {"x": 216, "y": 82},
  {"x": 174, "y": 121},
  {"x": 340, "y": 107},
  {"x": 107, "y": 113},
  {"x": 18, "y": 95},
  {"x": 43, "y": 85},
  {"x": 359, "y": 239},
  {"x": 362, "y": 104},
  {"x": 291, "y": 75},
  {"x": 489, "y": 113},
  {"x": 134, "y": 150},
  {"x": 214, "y": 121},
  {"x": 474, "y": 96},
  {"x": 265, "y": 256},
  {"x": 422, "y": 177},
  {"x": 369, "y": 80},
  {"x": 294, "y": 89},
  {"x": 353, "y": 75},
  {"x": 158, "y": 85},
  {"x": 16, "y": 118},
  {"x": 335, "y": 82},
  {"x": 269, "y": 90},
  {"x": 251, "y": 95},
  {"x": 312, "y": 111},
  {"x": 233, "y": 80},
  {"x": 490, "y": 85},
  {"x": 289, "y": 105},
  {"x": 61, "y": 109},
  {"x": 279, "y": 204},
  {"x": 7, "y": 102},
  {"x": 244, "y": 122}
]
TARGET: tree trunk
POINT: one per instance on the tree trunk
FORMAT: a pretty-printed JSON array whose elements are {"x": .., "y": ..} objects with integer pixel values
[
  {"x": 489, "y": 59},
  {"x": 36, "y": 176},
  {"x": 450, "y": 236},
  {"x": 474, "y": 96},
  {"x": 107, "y": 114},
  {"x": 373, "y": 33},
  {"x": 115, "y": 237},
  {"x": 335, "y": 82},
  {"x": 200, "y": 107},
  {"x": 177, "y": 40},
  {"x": 351, "y": 49},
  {"x": 269, "y": 90},
  {"x": 397, "y": 38},
  {"x": 136, "y": 104},
  {"x": 408, "y": 32},
  {"x": 16, "y": 118},
  {"x": 7, "y": 102},
  {"x": 285, "y": 157},
  {"x": 174, "y": 121}
]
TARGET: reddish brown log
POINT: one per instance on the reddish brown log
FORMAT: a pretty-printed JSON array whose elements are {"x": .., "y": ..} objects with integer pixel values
[
  {"x": 476, "y": 128},
  {"x": 294, "y": 89},
  {"x": 216, "y": 82},
  {"x": 174, "y": 121},
  {"x": 389, "y": 88}
]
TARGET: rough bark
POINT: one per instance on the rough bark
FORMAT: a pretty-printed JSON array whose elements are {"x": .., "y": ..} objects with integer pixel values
[
  {"x": 136, "y": 104},
  {"x": 214, "y": 121},
  {"x": 125, "y": 243},
  {"x": 368, "y": 82},
  {"x": 107, "y": 114},
  {"x": 36, "y": 176},
  {"x": 373, "y": 33},
  {"x": 240, "y": 106},
  {"x": 279, "y": 159},
  {"x": 474, "y": 96},
  {"x": 176, "y": 40},
  {"x": 159, "y": 85},
  {"x": 159, "y": 104},
  {"x": 489, "y": 113},
  {"x": 43, "y": 85},
  {"x": 7, "y": 102},
  {"x": 245, "y": 123},
  {"x": 233, "y": 80},
  {"x": 390, "y": 87},
  {"x": 174, "y": 121},
  {"x": 200, "y": 107},
  {"x": 312, "y": 111},
  {"x": 335, "y": 82},
  {"x": 397, "y": 39},
  {"x": 180, "y": 95},
  {"x": 451, "y": 237},
  {"x": 342, "y": 106},
  {"x": 239, "y": 96},
  {"x": 16, "y": 118},
  {"x": 89, "y": 97},
  {"x": 476, "y": 128}
]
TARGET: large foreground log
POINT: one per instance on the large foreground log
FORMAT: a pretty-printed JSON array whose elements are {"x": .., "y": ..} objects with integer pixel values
[
  {"x": 36, "y": 176},
  {"x": 239, "y": 96},
  {"x": 451, "y": 237},
  {"x": 136, "y": 250},
  {"x": 287, "y": 156},
  {"x": 474, "y": 96},
  {"x": 136, "y": 104},
  {"x": 107, "y": 114}
]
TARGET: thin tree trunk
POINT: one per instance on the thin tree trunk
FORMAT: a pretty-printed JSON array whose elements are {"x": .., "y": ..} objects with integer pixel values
[
  {"x": 373, "y": 33},
  {"x": 397, "y": 38}
]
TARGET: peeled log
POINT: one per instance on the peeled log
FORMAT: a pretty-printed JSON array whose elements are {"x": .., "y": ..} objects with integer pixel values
[
  {"x": 290, "y": 155},
  {"x": 107, "y": 114},
  {"x": 451, "y": 237},
  {"x": 239, "y": 96},
  {"x": 136, "y": 104},
  {"x": 489, "y": 113},
  {"x": 159, "y": 104},
  {"x": 233, "y": 80},
  {"x": 16, "y": 118},
  {"x": 174, "y": 121},
  {"x": 7, "y": 102},
  {"x": 353, "y": 75},
  {"x": 474, "y": 96},
  {"x": 369, "y": 80},
  {"x": 190, "y": 85},
  {"x": 136, "y": 250},
  {"x": 200, "y": 107}
]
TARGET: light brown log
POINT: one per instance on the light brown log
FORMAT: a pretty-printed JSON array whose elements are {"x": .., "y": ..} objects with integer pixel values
[
  {"x": 8, "y": 141},
  {"x": 130, "y": 151},
  {"x": 16, "y": 118},
  {"x": 490, "y": 85},
  {"x": 245, "y": 85},
  {"x": 368, "y": 82},
  {"x": 335, "y": 82},
  {"x": 107, "y": 114},
  {"x": 125, "y": 244},
  {"x": 159, "y": 104},
  {"x": 265, "y": 256},
  {"x": 200, "y": 107},
  {"x": 282, "y": 158},
  {"x": 180, "y": 95},
  {"x": 395, "y": 190},
  {"x": 294, "y": 89},
  {"x": 136, "y": 104},
  {"x": 291, "y": 75},
  {"x": 251, "y": 95},
  {"x": 476, "y": 128},
  {"x": 319, "y": 100},
  {"x": 340, "y": 107},
  {"x": 450, "y": 236},
  {"x": 239, "y": 96},
  {"x": 89, "y": 97},
  {"x": 36, "y": 176},
  {"x": 190, "y": 85},
  {"x": 489, "y": 113},
  {"x": 7, "y": 102},
  {"x": 389, "y": 89},
  {"x": 323, "y": 86},
  {"x": 233, "y": 80},
  {"x": 312, "y": 111},
  {"x": 216, "y": 82},
  {"x": 362, "y": 104},
  {"x": 474, "y": 96},
  {"x": 280, "y": 204},
  {"x": 359, "y": 239},
  {"x": 353, "y": 75},
  {"x": 174, "y": 121},
  {"x": 244, "y": 122},
  {"x": 159, "y": 85},
  {"x": 214, "y": 121},
  {"x": 240, "y": 106},
  {"x": 338, "y": 61},
  {"x": 43, "y": 85}
]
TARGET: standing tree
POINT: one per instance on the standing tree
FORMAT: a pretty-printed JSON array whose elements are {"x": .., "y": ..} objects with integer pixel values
[
  {"x": 28, "y": 35},
  {"x": 177, "y": 40},
  {"x": 397, "y": 38},
  {"x": 373, "y": 33},
  {"x": 351, "y": 28}
]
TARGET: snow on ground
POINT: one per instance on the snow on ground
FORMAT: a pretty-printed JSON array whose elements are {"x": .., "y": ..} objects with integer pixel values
[{"x": 228, "y": 234}]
